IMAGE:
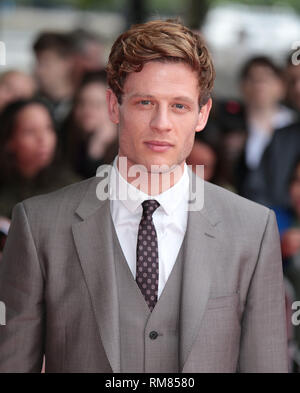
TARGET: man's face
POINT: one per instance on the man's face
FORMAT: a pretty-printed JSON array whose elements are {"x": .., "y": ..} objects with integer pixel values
[
  {"x": 159, "y": 114},
  {"x": 52, "y": 70},
  {"x": 262, "y": 87}
]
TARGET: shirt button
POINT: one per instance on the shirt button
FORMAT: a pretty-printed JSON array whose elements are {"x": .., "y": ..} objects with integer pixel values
[{"x": 153, "y": 335}]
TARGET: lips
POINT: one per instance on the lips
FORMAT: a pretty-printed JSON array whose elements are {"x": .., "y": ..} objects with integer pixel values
[
  {"x": 158, "y": 146},
  {"x": 159, "y": 143}
]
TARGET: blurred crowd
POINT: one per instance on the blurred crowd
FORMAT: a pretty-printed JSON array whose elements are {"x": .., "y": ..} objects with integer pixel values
[
  {"x": 55, "y": 130},
  {"x": 54, "y": 126}
]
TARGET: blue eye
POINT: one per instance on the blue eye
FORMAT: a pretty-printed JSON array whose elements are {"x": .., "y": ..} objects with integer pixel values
[
  {"x": 179, "y": 106},
  {"x": 145, "y": 102}
]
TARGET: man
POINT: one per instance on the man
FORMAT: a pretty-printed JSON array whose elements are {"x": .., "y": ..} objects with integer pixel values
[
  {"x": 88, "y": 53},
  {"x": 263, "y": 90},
  {"x": 278, "y": 166},
  {"x": 153, "y": 281}
]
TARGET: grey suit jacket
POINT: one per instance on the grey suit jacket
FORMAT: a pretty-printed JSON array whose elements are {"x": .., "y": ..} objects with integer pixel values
[{"x": 58, "y": 283}]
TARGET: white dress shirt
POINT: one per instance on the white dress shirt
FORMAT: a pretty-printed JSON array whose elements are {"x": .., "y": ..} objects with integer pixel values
[
  {"x": 259, "y": 138},
  {"x": 170, "y": 221}
]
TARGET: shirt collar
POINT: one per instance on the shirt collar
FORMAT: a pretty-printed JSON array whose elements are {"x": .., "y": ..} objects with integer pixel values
[{"x": 132, "y": 198}]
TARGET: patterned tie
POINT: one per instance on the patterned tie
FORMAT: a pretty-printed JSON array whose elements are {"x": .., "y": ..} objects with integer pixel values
[{"x": 147, "y": 254}]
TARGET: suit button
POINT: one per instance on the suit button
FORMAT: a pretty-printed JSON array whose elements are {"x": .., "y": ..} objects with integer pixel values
[{"x": 153, "y": 335}]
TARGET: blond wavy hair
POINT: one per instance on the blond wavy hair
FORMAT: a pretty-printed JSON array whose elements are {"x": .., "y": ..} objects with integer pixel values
[{"x": 164, "y": 41}]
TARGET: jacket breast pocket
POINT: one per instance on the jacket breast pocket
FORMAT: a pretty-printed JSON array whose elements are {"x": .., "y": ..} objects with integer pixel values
[{"x": 228, "y": 301}]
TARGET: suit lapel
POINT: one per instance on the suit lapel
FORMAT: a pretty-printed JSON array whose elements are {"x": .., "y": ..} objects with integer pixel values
[
  {"x": 93, "y": 239},
  {"x": 201, "y": 247}
]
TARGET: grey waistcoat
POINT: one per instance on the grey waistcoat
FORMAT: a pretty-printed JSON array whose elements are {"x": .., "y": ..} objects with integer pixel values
[{"x": 140, "y": 353}]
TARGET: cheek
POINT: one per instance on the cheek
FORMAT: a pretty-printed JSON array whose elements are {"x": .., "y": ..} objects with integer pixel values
[
  {"x": 279, "y": 91},
  {"x": 24, "y": 149},
  {"x": 187, "y": 128},
  {"x": 295, "y": 193},
  {"x": 28, "y": 145},
  {"x": 79, "y": 113},
  {"x": 130, "y": 127},
  {"x": 189, "y": 143},
  {"x": 59, "y": 68}
]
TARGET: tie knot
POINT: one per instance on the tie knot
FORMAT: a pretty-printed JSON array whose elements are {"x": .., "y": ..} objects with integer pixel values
[{"x": 149, "y": 207}]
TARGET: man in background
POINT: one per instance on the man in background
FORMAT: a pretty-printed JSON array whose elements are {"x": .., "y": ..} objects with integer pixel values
[{"x": 53, "y": 69}]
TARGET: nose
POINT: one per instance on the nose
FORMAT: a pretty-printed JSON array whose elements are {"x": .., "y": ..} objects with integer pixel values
[
  {"x": 44, "y": 140},
  {"x": 161, "y": 119}
]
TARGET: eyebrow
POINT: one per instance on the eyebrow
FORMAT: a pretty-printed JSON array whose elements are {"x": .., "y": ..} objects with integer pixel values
[{"x": 179, "y": 98}]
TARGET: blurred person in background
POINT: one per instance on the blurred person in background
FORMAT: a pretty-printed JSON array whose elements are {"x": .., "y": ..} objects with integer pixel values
[
  {"x": 292, "y": 78},
  {"x": 291, "y": 237},
  {"x": 14, "y": 85},
  {"x": 263, "y": 90},
  {"x": 290, "y": 245},
  {"x": 230, "y": 120},
  {"x": 280, "y": 156},
  {"x": 284, "y": 149},
  {"x": 207, "y": 152},
  {"x": 88, "y": 53},
  {"x": 89, "y": 137},
  {"x": 53, "y": 69},
  {"x": 29, "y": 163},
  {"x": 4, "y": 227}
]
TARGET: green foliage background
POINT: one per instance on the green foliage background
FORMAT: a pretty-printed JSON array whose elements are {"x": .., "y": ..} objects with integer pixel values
[
  {"x": 161, "y": 5},
  {"x": 191, "y": 11}
]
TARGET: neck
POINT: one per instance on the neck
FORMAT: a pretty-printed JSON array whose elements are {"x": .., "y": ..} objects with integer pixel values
[
  {"x": 262, "y": 116},
  {"x": 28, "y": 171},
  {"x": 151, "y": 183},
  {"x": 261, "y": 111}
]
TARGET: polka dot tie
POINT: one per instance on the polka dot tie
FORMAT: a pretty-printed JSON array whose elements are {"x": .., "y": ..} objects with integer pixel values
[{"x": 147, "y": 255}]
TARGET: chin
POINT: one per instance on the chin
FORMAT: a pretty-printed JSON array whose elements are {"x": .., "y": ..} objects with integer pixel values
[{"x": 165, "y": 166}]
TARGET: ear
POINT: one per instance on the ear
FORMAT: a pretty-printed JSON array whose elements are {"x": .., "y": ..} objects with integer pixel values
[
  {"x": 112, "y": 106},
  {"x": 203, "y": 115}
]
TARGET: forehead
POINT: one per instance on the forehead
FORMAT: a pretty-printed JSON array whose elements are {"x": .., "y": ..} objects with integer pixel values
[
  {"x": 94, "y": 87},
  {"x": 157, "y": 78},
  {"x": 261, "y": 69},
  {"x": 39, "y": 112}
]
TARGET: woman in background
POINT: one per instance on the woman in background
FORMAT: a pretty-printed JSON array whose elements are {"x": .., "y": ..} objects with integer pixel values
[
  {"x": 263, "y": 90},
  {"x": 89, "y": 137},
  {"x": 207, "y": 152},
  {"x": 29, "y": 160}
]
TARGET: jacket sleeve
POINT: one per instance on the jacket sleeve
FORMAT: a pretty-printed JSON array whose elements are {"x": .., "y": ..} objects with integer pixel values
[
  {"x": 21, "y": 291},
  {"x": 263, "y": 346}
]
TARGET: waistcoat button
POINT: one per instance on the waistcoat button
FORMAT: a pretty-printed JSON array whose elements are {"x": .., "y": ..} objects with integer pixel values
[{"x": 153, "y": 335}]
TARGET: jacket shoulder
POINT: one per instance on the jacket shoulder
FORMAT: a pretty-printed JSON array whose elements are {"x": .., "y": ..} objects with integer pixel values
[
  {"x": 233, "y": 208},
  {"x": 67, "y": 197}
]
